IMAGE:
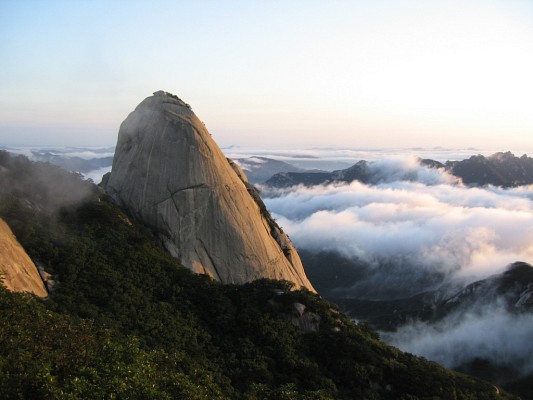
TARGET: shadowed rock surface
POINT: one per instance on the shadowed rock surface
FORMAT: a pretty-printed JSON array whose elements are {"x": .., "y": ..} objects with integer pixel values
[
  {"x": 499, "y": 169},
  {"x": 170, "y": 174},
  {"x": 17, "y": 270}
]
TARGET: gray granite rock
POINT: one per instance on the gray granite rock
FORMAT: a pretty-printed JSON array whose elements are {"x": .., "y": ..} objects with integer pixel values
[{"x": 170, "y": 174}]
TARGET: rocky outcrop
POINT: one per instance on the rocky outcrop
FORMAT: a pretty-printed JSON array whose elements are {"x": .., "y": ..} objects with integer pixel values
[
  {"x": 170, "y": 174},
  {"x": 17, "y": 271},
  {"x": 304, "y": 320}
]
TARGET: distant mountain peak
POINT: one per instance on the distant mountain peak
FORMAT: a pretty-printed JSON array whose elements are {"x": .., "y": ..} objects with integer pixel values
[
  {"x": 501, "y": 156},
  {"x": 499, "y": 169}
]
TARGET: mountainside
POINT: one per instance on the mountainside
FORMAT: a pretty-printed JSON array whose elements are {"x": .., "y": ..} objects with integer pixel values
[
  {"x": 511, "y": 290},
  {"x": 17, "y": 271},
  {"x": 499, "y": 169},
  {"x": 170, "y": 174},
  {"x": 441, "y": 317},
  {"x": 126, "y": 320}
]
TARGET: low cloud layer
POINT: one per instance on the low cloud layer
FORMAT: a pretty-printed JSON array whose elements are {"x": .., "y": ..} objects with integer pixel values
[
  {"x": 339, "y": 158},
  {"x": 37, "y": 154},
  {"x": 407, "y": 168},
  {"x": 429, "y": 224},
  {"x": 43, "y": 186},
  {"x": 97, "y": 174},
  {"x": 417, "y": 228},
  {"x": 492, "y": 334}
]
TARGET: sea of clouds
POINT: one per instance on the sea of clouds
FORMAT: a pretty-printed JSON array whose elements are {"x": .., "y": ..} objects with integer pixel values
[
  {"x": 333, "y": 158},
  {"x": 422, "y": 216},
  {"x": 414, "y": 222},
  {"x": 86, "y": 153}
]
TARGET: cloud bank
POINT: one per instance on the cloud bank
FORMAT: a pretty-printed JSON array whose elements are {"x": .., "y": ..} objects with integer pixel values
[
  {"x": 419, "y": 220},
  {"x": 419, "y": 229},
  {"x": 492, "y": 334},
  {"x": 339, "y": 158}
]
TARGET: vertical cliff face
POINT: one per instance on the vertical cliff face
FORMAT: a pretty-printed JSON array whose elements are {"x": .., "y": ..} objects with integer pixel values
[
  {"x": 170, "y": 174},
  {"x": 17, "y": 271}
]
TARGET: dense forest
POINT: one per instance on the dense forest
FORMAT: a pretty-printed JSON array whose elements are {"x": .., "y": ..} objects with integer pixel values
[{"x": 125, "y": 321}]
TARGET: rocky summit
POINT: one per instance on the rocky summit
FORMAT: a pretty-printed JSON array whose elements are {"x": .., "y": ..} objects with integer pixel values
[{"x": 171, "y": 175}]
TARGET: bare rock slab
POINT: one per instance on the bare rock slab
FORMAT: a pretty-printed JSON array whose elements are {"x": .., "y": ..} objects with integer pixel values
[{"x": 171, "y": 175}]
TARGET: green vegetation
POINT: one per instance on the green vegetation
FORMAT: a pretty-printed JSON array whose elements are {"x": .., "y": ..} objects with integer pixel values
[{"x": 126, "y": 321}]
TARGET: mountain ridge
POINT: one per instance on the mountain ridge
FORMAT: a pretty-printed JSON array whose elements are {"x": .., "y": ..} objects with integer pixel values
[
  {"x": 500, "y": 169},
  {"x": 512, "y": 289}
]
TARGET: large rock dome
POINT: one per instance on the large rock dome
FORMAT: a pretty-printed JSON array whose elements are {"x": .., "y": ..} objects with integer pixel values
[{"x": 171, "y": 175}]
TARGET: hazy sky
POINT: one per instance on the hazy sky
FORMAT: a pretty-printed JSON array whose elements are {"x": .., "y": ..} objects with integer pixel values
[{"x": 283, "y": 73}]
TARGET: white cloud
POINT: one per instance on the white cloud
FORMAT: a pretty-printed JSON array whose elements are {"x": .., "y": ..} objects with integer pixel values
[
  {"x": 419, "y": 223},
  {"x": 432, "y": 224},
  {"x": 492, "y": 334},
  {"x": 97, "y": 174}
]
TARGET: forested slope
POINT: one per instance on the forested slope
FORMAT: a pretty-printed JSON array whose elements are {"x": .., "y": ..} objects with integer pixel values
[{"x": 124, "y": 320}]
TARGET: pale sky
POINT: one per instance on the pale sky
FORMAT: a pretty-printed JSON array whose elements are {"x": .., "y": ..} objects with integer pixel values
[{"x": 273, "y": 73}]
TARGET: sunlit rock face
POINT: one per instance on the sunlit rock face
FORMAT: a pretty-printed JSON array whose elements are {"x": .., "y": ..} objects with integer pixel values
[
  {"x": 170, "y": 174},
  {"x": 17, "y": 271}
]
